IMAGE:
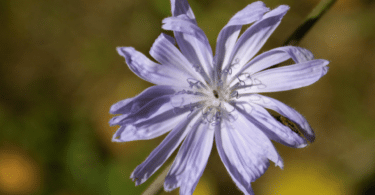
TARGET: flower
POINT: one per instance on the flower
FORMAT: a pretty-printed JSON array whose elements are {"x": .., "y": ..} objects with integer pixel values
[{"x": 199, "y": 97}]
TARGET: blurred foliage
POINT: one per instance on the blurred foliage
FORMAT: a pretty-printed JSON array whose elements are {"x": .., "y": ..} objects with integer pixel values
[{"x": 60, "y": 74}]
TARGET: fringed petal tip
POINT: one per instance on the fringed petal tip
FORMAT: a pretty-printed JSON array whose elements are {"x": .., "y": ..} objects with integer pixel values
[
  {"x": 283, "y": 8},
  {"x": 279, "y": 11},
  {"x": 137, "y": 181},
  {"x": 184, "y": 25},
  {"x": 113, "y": 109},
  {"x": 169, "y": 187},
  {"x": 279, "y": 163},
  {"x": 310, "y": 137},
  {"x": 116, "y": 137},
  {"x": 116, "y": 120},
  {"x": 302, "y": 145},
  {"x": 117, "y": 108},
  {"x": 181, "y": 7},
  {"x": 325, "y": 69},
  {"x": 122, "y": 51}
]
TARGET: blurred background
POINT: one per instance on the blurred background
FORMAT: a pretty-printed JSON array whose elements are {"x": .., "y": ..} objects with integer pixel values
[{"x": 60, "y": 73}]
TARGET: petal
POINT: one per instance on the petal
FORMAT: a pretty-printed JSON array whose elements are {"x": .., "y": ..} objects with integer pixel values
[
  {"x": 146, "y": 108},
  {"x": 186, "y": 97},
  {"x": 161, "y": 153},
  {"x": 155, "y": 118},
  {"x": 132, "y": 105},
  {"x": 151, "y": 108},
  {"x": 191, "y": 159},
  {"x": 165, "y": 52},
  {"x": 195, "y": 47},
  {"x": 229, "y": 34},
  {"x": 289, "y": 113},
  {"x": 149, "y": 70},
  {"x": 249, "y": 131},
  {"x": 181, "y": 7},
  {"x": 150, "y": 128},
  {"x": 277, "y": 56},
  {"x": 192, "y": 41},
  {"x": 253, "y": 39},
  {"x": 274, "y": 130},
  {"x": 244, "y": 150},
  {"x": 286, "y": 77},
  {"x": 242, "y": 163}
]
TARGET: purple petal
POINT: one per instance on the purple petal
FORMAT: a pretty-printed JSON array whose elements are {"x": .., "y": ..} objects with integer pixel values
[
  {"x": 250, "y": 132},
  {"x": 141, "y": 128},
  {"x": 181, "y": 100},
  {"x": 155, "y": 118},
  {"x": 165, "y": 52},
  {"x": 255, "y": 36},
  {"x": 181, "y": 24},
  {"x": 161, "y": 153},
  {"x": 182, "y": 7},
  {"x": 149, "y": 70},
  {"x": 195, "y": 47},
  {"x": 274, "y": 130},
  {"x": 244, "y": 150},
  {"x": 132, "y": 105},
  {"x": 151, "y": 108},
  {"x": 150, "y": 128},
  {"x": 192, "y": 42},
  {"x": 229, "y": 34},
  {"x": 244, "y": 164},
  {"x": 286, "y": 77},
  {"x": 277, "y": 56},
  {"x": 148, "y": 107},
  {"x": 191, "y": 159},
  {"x": 289, "y": 113}
]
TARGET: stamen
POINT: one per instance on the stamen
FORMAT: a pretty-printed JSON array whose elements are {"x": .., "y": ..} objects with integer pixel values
[
  {"x": 259, "y": 84},
  {"x": 247, "y": 83},
  {"x": 195, "y": 83},
  {"x": 180, "y": 100},
  {"x": 180, "y": 92},
  {"x": 241, "y": 82},
  {"x": 229, "y": 70},
  {"x": 235, "y": 63},
  {"x": 235, "y": 94},
  {"x": 201, "y": 71},
  {"x": 197, "y": 68},
  {"x": 212, "y": 115},
  {"x": 220, "y": 83},
  {"x": 231, "y": 117}
]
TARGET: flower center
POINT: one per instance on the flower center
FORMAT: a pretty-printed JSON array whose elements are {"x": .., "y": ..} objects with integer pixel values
[{"x": 216, "y": 94}]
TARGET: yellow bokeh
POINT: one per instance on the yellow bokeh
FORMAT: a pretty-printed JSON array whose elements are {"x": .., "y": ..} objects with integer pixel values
[
  {"x": 306, "y": 178},
  {"x": 206, "y": 186},
  {"x": 18, "y": 174}
]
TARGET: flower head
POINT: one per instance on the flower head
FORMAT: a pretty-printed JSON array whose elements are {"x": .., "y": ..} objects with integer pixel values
[{"x": 199, "y": 97}]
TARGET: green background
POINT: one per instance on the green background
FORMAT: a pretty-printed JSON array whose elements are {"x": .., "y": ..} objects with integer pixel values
[{"x": 60, "y": 73}]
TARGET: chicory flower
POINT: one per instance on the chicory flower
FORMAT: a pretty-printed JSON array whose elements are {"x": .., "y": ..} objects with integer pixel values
[{"x": 199, "y": 97}]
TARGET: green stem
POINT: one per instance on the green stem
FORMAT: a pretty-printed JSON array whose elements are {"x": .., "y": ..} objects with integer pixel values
[{"x": 311, "y": 19}]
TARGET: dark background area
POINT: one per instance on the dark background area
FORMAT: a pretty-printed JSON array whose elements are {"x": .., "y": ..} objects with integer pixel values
[{"x": 60, "y": 73}]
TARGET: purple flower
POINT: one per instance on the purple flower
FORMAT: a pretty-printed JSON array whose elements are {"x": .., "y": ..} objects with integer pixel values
[{"x": 199, "y": 97}]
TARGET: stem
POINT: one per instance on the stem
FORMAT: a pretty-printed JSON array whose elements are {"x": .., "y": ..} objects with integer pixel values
[
  {"x": 157, "y": 186},
  {"x": 311, "y": 19}
]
